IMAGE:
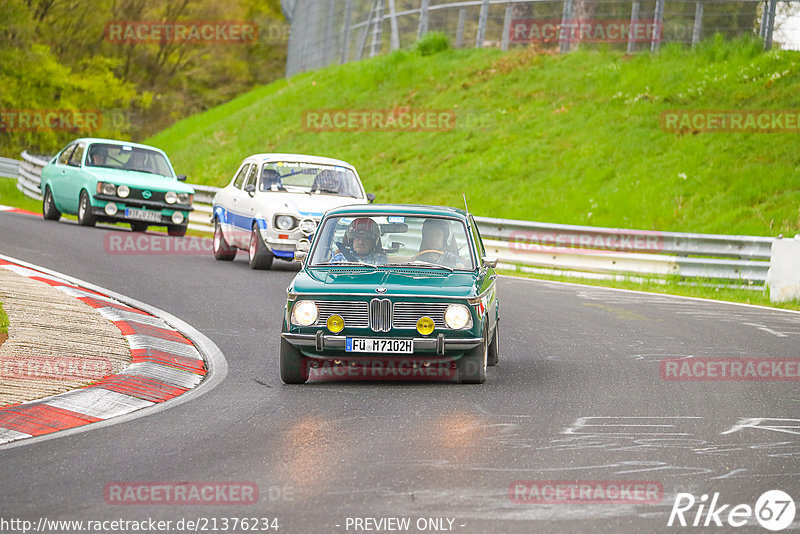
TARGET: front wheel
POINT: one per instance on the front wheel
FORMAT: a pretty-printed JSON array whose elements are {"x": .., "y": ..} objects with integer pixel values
[
  {"x": 85, "y": 217},
  {"x": 260, "y": 256},
  {"x": 472, "y": 365},
  {"x": 293, "y": 369},
  {"x": 222, "y": 250},
  {"x": 49, "y": 210},
  {"x": 176, "y": 231}
]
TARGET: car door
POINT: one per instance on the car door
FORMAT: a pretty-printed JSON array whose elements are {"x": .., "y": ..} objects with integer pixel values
[
  {"x": 56, "y": 176},
  {"x": 73, "y": 178},
  {"x": 487, "y": 281},
  {"x": 246, "y": 205},
  {"x": 226, "y": 204}
]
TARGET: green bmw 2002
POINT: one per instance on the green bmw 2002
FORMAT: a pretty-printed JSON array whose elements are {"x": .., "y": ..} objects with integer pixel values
[
  {"x": 392, "y": 291},
  {"x": 102, "y": 180}
]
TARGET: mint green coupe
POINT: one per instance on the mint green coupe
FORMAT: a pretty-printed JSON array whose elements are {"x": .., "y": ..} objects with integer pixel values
[
  {"x": 392, "y": 292},
  {"x": 102, "y": 180}
]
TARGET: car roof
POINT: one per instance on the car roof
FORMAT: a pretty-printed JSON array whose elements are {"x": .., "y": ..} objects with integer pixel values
[
  {"x": 298, "y": 158},
  {"x": 398, "y": 209},
  {"x": 90, "y": 140}
]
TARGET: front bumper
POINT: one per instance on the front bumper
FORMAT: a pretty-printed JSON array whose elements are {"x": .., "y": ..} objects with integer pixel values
[
  {"x": 166, "y": 220},
  {"x": 439, "y": 345}
]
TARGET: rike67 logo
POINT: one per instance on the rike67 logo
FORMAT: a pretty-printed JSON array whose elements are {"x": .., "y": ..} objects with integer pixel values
[{"x": 774, "y": 510}]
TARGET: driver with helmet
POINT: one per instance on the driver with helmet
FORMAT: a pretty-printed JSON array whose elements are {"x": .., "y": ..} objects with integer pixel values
[
  {"x": 361, "y": 243},
  {"x": 438, "y": 244}
]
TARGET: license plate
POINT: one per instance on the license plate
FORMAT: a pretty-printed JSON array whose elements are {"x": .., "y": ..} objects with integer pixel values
[
  {"x": 390, "y": 346},
  {"x": 143, "y": 215}
]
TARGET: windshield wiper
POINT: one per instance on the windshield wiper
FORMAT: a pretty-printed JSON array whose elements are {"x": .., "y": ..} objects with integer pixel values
[
  {"x": 326, "y": 192},
  {"x": 423, "y": 263},
  {"x": 348, "y": 263}
]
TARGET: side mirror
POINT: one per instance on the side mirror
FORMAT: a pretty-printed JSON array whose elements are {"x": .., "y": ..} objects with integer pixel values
[
  {"x": 371, "y": 197},
  {"x": 300, "y": 255},
  {"x": 251, "y": 189},
  {"x": 489, "y": 261},
  {"x": 181, "y": 177}
]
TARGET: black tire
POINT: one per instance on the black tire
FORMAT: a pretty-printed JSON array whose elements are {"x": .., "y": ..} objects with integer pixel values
[
  {"x": 493, "y": 356},
  {"x": 49, "y": 210},
  {"x": 85, "y": 216},
  {"x": 472, "y": 365},
  {"x": 222, "y": 250},
  {"x": 260, "y": 256},
  {"x": 292, "y": 364},
  {"x": 138, "y": 227},
  {"x": 176, "y": 231}
]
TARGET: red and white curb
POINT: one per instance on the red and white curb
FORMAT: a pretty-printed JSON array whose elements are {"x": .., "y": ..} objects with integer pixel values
[
  {"x": 166, "y": 364},
  {"x": 11, "y": 209}
]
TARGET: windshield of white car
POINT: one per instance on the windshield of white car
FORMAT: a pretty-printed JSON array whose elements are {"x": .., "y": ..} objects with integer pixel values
[
  {"x": 128, "y": 158},
  {"x": 393, "y": 241},
  {"x": 309, "y": 178}
]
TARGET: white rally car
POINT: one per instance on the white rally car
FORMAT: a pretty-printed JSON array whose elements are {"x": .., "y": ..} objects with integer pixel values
[{"x": 276, "y": 201}]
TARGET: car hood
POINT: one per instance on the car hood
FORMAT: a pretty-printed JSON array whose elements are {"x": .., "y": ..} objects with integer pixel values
[
  {"x": 303, "y": 204},
  {"x": 139, "y": 180},
  {"x": 356, "y": 281}
]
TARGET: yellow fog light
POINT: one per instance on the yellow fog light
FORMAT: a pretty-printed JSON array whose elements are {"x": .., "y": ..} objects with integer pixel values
[
  {"x": 335, "y": 323},
  {"x": 425, "y": 325}
]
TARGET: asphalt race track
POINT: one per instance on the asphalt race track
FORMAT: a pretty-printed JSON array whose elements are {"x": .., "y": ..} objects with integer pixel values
[{"x": 578, "y": 395}]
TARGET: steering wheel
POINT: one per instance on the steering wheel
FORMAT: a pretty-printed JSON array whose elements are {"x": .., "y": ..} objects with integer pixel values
[
  {"x": 346, "y": 253},
  {"x": 429, "y": 251}
]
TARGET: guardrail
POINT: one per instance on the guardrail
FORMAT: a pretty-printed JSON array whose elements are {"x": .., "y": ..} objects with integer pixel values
[
  {"x": 9, "y": 168},
  {"x": 560, "y": 249}
]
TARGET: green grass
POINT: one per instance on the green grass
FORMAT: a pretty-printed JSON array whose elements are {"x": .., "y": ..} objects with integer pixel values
[
  {"x": 558, "y": 138},
  {"x": 11, "y": 196},
  {"x": 3, "y": 320},
  {"x": 672, "y": 287}
]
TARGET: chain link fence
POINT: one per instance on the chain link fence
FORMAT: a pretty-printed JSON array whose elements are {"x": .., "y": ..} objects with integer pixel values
[{"x": 325, "y": 32}]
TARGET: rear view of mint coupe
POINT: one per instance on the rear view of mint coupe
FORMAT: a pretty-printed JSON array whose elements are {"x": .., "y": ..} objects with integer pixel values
[
  {"x": 409, "y": 287},
  {"x": 103, "y": 180}
]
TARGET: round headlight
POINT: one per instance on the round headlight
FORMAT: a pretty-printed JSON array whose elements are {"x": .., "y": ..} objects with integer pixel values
[
  {"x": 335, "y": 323},
  {"x": 171, "y": 197},
  {"x": 425, "y": 325},
  {"x": 304, "y": 313},
  {"x": 111, "y": 209},
  {"x": 123, "y": 191},
  {"x": 109, "y": 189},
  {"x": 307, "y": 226},
  {"x": 177, "y": 217},
  {"x": 183, "y": 198},
  {"x": 284, "y": 222},
  {"x": 457, "y": 317}
]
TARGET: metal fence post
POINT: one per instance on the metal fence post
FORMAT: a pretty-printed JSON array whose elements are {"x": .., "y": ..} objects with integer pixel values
[
  {"x": 507, "y": 26},
  {"x": 462, "y": 17},
  {"x": 563, "y": 38},
  {"x": 770, "y": 25},
  {"x": 631, "y": 29},
  {"x": 762, "y": 31},
  {"x": 698, "y": 23},
  {"x": 362, "y": 38},
  {"x": 348, "y": 12},
  {"x": 658, "y": 31},
  {"x": 480, "y": 37},
  {"x": 329, "y": 51},
  {"x": 422, "y": 28},
  {"x": 393, "y": 23},
  {"x": 377, "y": 29}
]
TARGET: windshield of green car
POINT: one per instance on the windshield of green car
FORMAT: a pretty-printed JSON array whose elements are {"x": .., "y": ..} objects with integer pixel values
[
  {"x": 309, "y": 178},
  {"x": 126, "y": 157},
  {"x": 393, "y": 240}
]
